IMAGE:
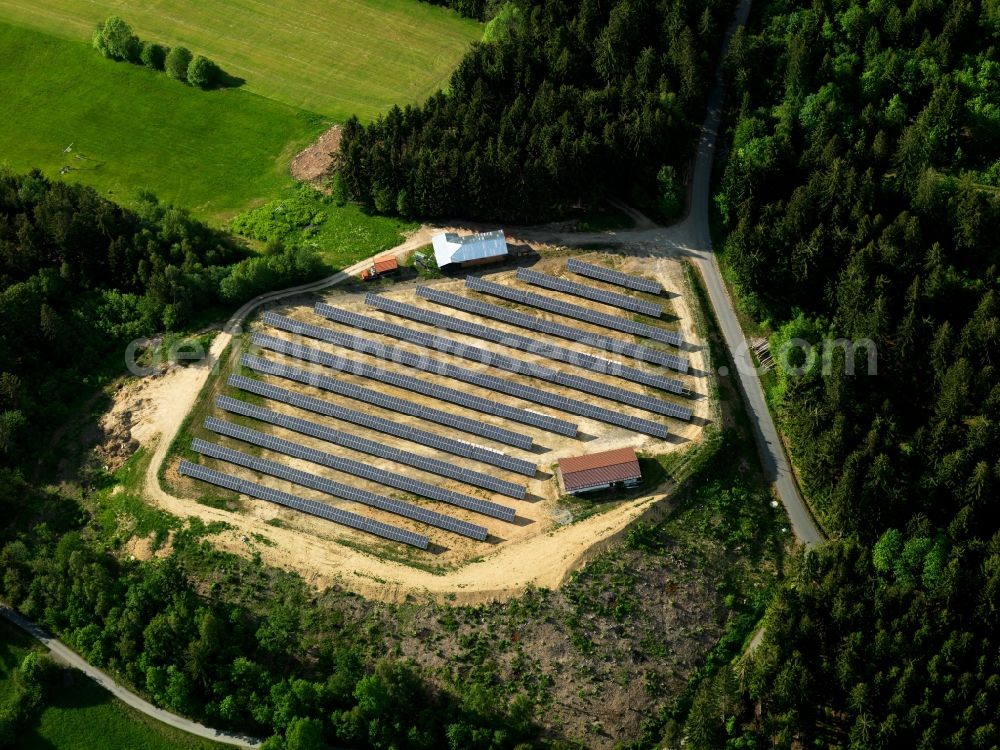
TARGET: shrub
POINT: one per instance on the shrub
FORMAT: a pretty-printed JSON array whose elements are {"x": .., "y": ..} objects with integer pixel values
[
  {"x": 177, "y": 62},
  {"x": 114, "y": 39},
  {"x": 671, "y": 193},
  {"x": 202, "y": 72},
  {"x": 153, "y": 55}
]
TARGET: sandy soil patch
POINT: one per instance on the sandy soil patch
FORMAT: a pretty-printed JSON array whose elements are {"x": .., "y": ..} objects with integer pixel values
[
  {"x": 542, "y": 549},
  {"x": 315, "y": 161},
  {"x": 141, "y": 548}
]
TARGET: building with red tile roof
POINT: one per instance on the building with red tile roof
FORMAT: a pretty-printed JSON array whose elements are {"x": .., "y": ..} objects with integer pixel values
[{"x": 600, "y": 471}]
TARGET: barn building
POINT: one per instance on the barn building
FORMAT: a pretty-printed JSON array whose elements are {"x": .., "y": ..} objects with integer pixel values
[
  {"x": 600, "y": 471},
  {"x": 472, "y": 250}
]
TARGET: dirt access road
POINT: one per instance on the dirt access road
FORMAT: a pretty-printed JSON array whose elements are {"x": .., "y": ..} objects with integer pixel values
[
  {"x": 540, "y": 550},
  {"x": 181, "y": 387}
]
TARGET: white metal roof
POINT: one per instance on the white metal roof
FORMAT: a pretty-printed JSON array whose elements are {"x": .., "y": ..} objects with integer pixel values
[{"x": 450, "y": 248}]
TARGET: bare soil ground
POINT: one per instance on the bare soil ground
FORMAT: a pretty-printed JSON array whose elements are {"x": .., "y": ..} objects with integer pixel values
[
  {"x": 540, "y": 550},
  {"x": 142, "y": 548},
  {"x": 315, "y": 161},
  {"x": 602, "y": 654}
]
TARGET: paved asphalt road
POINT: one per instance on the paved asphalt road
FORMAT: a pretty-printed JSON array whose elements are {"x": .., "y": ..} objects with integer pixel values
[{"x": 695, "y": 229}]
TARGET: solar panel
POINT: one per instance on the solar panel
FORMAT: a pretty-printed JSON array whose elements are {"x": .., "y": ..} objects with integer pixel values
[
  {"x": 614, "y": 322},
  {"x": 612, "y": 299},
  {"x": 311, "y": 507},
  {"x": 543, "y": 348},
  {"x": 343, "y": 364},
  {"x": 500, "y": 385},
  {"x": 476, "y": 307},
  {"x": 508, "y": 364},
  {"x": 372, "y": 447},
  {"x": 358, "y": 469},
  {"x": 346, "y": 492},
  {"x": 383, "y": 401},
  {"x": 318, "y": 406},
  {"x": 613, "y": 277}
]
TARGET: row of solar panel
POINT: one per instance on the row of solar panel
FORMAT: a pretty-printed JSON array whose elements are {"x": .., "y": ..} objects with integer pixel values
[
  {"x": 375, "y": 398},
  {"x": 327, "y": 409},
  {"x": 426, "y": 364},
  {"x": 372, "y": 447},
  {"x": 501, "y": 362},
  {"x": 613, "y": 277},
  {"x": 311, "y": 507},
  {"x": 500, "y": 385},
  {"x": 485, "y": 405},
  {"x": 346, "y": 492},
  {"x": 614, "y": 322},
  {"x": 612, "y": 299},
  {"x": 514, "y": 341},
  {"x": 484, "y": 309},
  {"x": 356, "y": 468}
]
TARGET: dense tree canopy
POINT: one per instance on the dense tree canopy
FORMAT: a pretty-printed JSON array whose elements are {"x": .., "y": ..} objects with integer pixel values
[
  {"x": 860, "y": 193},
  {"x": 202, "y": 72},
  {"x": 571, "y": 102},
  {"x": 80, "y": 276},
  {"x": 114, "y": 38},
  {"x": 289, "y": 670},
  {"x": 177, "y": 62},
  {"x": 153, "y": 55}
]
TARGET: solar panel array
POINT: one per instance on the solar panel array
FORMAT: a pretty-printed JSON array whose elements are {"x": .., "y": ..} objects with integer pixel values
[
  {"x": 327, "y": 409},
  {"x": 613, "y": 299},
  {"x": 508, "y": 364},
  {"x": 486, "y": 405},
  {"x": 312, "y": 481},
  {"x": 523, "y": 343},
  {"x": 381, "y": 400},
  {"x": 614, "y": 322},
  {"x": 372, "y": 447},
  {"x": 642, "y": 353},
  {"x": 358, "y": 469},
  {"x": 500, "y": 385},
  {"x": 613, "y": 277},
  {"x": 311, "y": 507}
]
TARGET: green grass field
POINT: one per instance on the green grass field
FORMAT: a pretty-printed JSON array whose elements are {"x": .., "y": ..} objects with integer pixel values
[
  {"x": 213, "y": 152},
  {"x": 80, "y": 715},
  {"x": 342, "y": 235},
  {"x": 336, "y": 58}
]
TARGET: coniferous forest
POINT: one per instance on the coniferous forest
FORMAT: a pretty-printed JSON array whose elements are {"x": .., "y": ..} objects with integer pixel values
[
  {"x": 860, "y": 195},
  {"x": 564, "y": 104}
]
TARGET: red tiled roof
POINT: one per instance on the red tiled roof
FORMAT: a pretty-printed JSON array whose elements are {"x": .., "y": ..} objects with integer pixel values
[
  {"x": 382, "y": 265},
  {"x": 599, "y": 468}
]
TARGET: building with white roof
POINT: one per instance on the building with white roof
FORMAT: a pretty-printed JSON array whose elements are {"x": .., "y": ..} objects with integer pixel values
[{"x": 473, "y": 249}]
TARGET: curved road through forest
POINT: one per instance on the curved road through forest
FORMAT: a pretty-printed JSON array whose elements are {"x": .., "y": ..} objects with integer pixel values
[
  {"x": 690, "y": 237},
  {"x": 694, "y": 234}
]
